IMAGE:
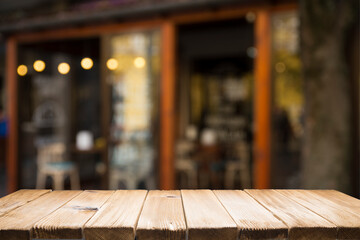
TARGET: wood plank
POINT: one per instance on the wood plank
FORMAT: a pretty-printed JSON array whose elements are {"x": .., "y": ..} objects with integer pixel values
[
  {"x": 348, "y": 223},
  {"x": 19, "y": 198},
  {"x": 90, "y": 30},
  {"x": 337, "y": 198},
  {"x": 117, "y": 218},
  {"x": 205, "y": 216},
  {"x": 67, "y": 222},
  {"x": 17, "y": 224},
  {"x": 303, "y": 223},
  {"x": 252, "y": 219},
  {"x": 162, "y": 217}
]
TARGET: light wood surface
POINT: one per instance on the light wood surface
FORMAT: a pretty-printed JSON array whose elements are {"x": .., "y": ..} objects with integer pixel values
[
  {"x": 117, "y": 218},
  {"x": 67, "y": 222},
  {"x": 348, "y": 223},
  {"x": 252, "y": 219},
  {"x": 336, "y": 198},
  {"x": 205, "y": 216},
  {"x": 18, "y": 199},
  {"x": 302, "y": 223},
  {"x": 185, "y": 214},
  {"x": 17, "y": 224},
  {"x": 162, "y": 217}
]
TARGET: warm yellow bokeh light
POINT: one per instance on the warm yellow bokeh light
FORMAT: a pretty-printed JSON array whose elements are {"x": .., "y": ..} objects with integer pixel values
[
  {"x": 112, "y": 64},
  {"x": 39, "y": 65},
  {"x": 87, "y": 63},
  {"x": 139, "y": 62},
  {"x": 64, "y": 68},
  {"x": 22, "y": 70}
]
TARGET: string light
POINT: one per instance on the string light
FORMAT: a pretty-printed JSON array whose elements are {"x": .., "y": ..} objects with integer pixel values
[
  {"x": 22, "y": 70},
  {"x": 64, "y": 68},
  {"x": 139, "y": 62},
  {"x": 87, "y": 63},
  {"x": 39, "y": 65},
  {"x": 112, "y": 64}
]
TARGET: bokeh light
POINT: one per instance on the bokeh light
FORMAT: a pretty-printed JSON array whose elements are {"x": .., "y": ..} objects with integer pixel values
[
  {"x": 39, "y": 65},
  {"x": 22, "y": 70},
  {"x": 112, "y": 64},
  {"x": 87, "y": 63},
  {"x": 139, "y": 62},
  {"x": 64, "y": 68}
]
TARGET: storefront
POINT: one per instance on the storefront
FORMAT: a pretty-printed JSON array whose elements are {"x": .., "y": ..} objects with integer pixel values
[{"x": 142, "y": 87}]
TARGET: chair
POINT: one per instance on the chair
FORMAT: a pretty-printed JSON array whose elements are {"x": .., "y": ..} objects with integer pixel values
[
  {"x": 51, "y": 163},
  {"x": 131, "y": 164},
  {"x": 240, "y": 167},
  {"x": 184, "y": 163}
]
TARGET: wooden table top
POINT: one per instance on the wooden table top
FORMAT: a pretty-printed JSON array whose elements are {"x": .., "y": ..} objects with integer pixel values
[{"x": 185, "y": 214}]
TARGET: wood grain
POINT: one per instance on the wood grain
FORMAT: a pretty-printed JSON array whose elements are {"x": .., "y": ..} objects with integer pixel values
[
  {"x": 348, "y": 223},
  {"x": 252, "y": 219},
  {"x": 205, "y": 216},
  {"x": 337, "y": 198},
  {"x": 19, "y": 198},
  {"x": 303, "y": 223},
  {"x": 67, "y": 222},
  {"x": 17, "y": 224},
  {"x": 117, "y": 218},
  {"x": 162, "y": 217}
]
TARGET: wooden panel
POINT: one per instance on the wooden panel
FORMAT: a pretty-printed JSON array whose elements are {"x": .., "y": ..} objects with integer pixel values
[
  {"x": 262, "y": 98},
  {"x": 18, "y": 199},
  {"x": 87, "y": 31},
  {"x": 205, "y": 216},
  {"x": 167, "y": 111},
  {"x": 12, "y": 108},
  {"x": 303, "y": 223},
  {"x": 162, "y": 217},
  {"x": 252, "y": 219},
  {"x": 117, "y": 218},
  {"x": 67, "y": 222},
  {"x": 348, "y": 224},
  {"x": 17, "y": 224},
  {"x": 178, "y": 18},
  {"x": 336, "y": 198}
]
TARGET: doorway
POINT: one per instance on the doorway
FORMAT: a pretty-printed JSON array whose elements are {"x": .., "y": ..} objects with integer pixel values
[{"x": 215, "y": 102}]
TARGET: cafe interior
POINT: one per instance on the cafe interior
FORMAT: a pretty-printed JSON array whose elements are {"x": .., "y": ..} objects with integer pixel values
[{"x": 161, "y": 102}]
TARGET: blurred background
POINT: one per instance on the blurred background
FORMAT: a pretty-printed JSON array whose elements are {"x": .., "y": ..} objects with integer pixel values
[{"x": 169, "y": 94}]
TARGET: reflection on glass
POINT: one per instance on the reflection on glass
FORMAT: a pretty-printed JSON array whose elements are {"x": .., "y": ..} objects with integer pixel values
[
  {"x": 134, "y": 61},
  {"x": 288, "y": 100}
]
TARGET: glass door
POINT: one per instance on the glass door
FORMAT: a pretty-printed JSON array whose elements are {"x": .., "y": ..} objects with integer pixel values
[{"x": 133, "y": 72}]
